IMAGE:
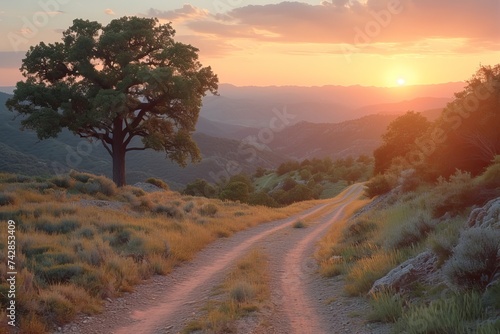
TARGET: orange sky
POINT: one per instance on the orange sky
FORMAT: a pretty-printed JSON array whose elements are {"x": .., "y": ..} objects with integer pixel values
[{"x": 337, "y": 42}]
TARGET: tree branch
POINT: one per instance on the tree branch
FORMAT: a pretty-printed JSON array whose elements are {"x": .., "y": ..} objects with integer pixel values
[{"x": 136, "y": 149}]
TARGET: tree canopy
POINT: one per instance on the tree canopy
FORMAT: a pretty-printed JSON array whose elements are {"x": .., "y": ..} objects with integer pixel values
[
  {"x": 399, "y": 139},
  {"x": 116, "y": 83}
]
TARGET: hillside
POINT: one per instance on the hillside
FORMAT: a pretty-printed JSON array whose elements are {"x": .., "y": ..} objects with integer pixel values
[
  {"x": 351, "y": 138},
  {"x": 24, "y": 153},
  {"x": 253, "y": 106}
]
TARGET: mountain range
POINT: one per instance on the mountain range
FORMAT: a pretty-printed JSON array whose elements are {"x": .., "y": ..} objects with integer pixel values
[{"x": 241, "y": 129}]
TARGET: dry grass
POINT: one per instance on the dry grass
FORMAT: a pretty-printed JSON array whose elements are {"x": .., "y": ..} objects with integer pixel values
[
  {"x": 98, "y": 252},
  {"x": 245, "y": 290}
]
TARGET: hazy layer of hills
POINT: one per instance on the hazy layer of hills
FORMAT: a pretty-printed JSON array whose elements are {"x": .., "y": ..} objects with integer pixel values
[{"x": 240, "y": 130}]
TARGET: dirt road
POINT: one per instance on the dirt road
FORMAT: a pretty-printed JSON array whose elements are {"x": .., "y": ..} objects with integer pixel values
[{"x": 303, "y": 302}]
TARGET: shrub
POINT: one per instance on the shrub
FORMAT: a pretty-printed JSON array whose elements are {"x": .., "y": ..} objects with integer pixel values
[
  {"x": 411, "y": 232},
  {"x": 189, "y": 206},
  {"x": 241, "y": 292},
  {"x": 299, "y": 224},
  {"x": 157, "y": 182},
  {"x": 474, "y": 259},
  {"x": 366, "y": 271},
  {"x": 62, "y": 181},
  {"x": 63, "y": 227},
  {"x": 61, "y": 273},
  {"x": 387, "y": 306},
  {"x": 378, "y": 185},
  {"x": 443, "y": 316},
  {"x": 208, "y": 210},
  {"x": 7, "y": 199},
  {"x": 170, "y": 211}
]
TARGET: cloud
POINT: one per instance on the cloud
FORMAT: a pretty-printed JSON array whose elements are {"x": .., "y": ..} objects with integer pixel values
[
  {"x": 109, "y": 11},
  {"x": 187, "y": 12},
  {"x": 355, "y": 22}
]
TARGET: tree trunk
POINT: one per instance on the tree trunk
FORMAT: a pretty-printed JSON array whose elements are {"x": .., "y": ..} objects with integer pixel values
[
  {"x": 119, "y": 166},
  {"x": 119, "y": 150}
]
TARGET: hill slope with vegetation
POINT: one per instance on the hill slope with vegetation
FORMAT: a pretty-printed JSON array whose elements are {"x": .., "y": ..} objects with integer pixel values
[
  {"x": 80, "y": 240},
  {"x": 426, "y": 251}
]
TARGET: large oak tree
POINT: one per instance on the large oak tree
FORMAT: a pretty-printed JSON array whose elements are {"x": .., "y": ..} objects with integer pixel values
[{"x": 115, "y": 83}]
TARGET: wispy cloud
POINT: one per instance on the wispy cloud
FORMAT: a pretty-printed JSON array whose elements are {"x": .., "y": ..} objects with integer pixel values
[
  {"x": 109, "y": 11},
  {"x": 351, "y": 22},
  {"x": 186, "y": 13}
]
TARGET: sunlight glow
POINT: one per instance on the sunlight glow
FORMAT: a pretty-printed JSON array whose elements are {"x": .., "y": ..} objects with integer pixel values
[{"x": 401, "y": 82}]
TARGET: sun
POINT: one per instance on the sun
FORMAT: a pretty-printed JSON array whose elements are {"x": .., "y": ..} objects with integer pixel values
[{"x": 401, "y": 82}]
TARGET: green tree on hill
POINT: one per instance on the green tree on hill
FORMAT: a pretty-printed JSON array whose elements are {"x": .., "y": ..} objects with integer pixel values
[
  {"x": 116, "y": 83},
  {"x": 399, "y": 139}
]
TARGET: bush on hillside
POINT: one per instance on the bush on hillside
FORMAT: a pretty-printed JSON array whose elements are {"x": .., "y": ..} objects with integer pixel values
[
  {"x": 475, "y": 258},
  {"x": 157, "y": 182},
  {"x": 378, "y": 185}
]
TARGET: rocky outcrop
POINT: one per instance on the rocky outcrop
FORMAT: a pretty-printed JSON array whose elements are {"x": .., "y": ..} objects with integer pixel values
[
  {"x": 420, "y": 268},
  {"x": 486, "y": 216}
]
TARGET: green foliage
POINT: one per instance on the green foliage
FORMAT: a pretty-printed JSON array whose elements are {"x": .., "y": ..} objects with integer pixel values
[
  {"x": 475, "y": 258},
  {"x": 449, "y": 315},
  {"x": 387, "y": 306},
  {"x": 66, "y": 90},
  {"x": 411, "y": 232},
  {"x": 379, "y": 185},
  {"x": 62, "y": 227},
  {"x": 61, "y": 273},
  {"x": 200, "y": 187},
  {"x": 236, "y": 191},
  {"x": 262, "y": 198},
  {"x": 399, "y": 139}
]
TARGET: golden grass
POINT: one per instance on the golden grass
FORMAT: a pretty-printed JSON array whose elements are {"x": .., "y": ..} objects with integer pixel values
[
  {"x": 245, "y": 290},
  {"x": 98, "y": 252}
]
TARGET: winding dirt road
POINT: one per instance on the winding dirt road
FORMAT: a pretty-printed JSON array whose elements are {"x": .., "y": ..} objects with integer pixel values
[{"x": 299, "y": 295}]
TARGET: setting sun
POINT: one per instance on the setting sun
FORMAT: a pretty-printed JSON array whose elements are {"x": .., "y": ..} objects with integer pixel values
[{"x": 401, "y": 82}]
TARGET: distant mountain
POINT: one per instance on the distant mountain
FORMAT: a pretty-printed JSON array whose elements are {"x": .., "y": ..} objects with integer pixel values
[
  {"x": 418, "y": 104},
  {"x": 306, "y": 140},
  {"x": 23, "y": 153},
  {"x": 256, "y": 106},
  {"x": 7, "y": 89},
  {"x": 240, "y": 130}
]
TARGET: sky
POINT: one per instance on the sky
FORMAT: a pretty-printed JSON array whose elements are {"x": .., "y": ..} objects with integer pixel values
[{"x": 303, "y": 43}]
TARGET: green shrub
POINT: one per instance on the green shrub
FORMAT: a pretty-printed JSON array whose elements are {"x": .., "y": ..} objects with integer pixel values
[
  {"x": 491, "y": 297},
  {"x": 386, "y": 307},
  {"x": 411, "y": 232},
  {"x": 209, "y": 210},
  {"x": 378, "y": 185},
  {"x": 443, "y": 316},
  {"x": 63, "y": 227},
  {"x": 474, "y": 259},
  {"x": 299, "y": 224},
  {"x": 61, "y": 273},
  {"x": 157, "y": 182},
  {"x": 359, "y": 231}
]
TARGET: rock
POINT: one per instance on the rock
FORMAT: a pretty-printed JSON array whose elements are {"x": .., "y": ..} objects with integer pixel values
[
  {"x": 416, "y": 269},
  {"x": 486, "y": 216}
]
